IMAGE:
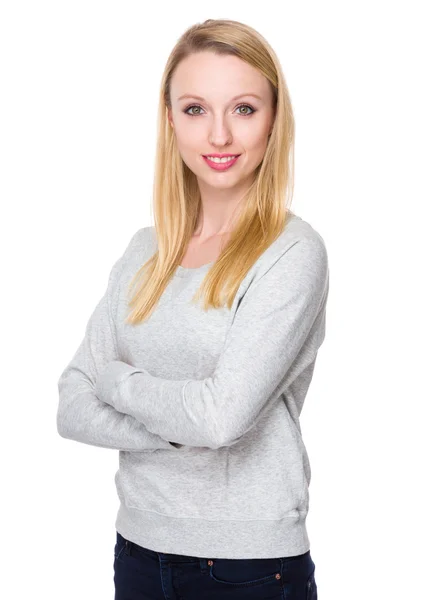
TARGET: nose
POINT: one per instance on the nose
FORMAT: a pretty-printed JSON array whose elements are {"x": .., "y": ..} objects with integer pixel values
[{"x": 220, "y": 133}]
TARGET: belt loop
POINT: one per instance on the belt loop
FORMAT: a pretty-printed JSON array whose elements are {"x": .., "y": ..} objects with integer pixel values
[
  {"x": 128, "y": 547},
  {"x": 203, "y": 565}
]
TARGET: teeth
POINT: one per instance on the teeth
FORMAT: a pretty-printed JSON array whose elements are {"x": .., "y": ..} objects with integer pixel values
[{"x": 221, "y": 160}]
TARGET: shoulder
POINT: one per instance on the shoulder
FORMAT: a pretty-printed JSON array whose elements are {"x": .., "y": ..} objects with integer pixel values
[
  {"x": 139, "y": 236},
  {"x": 299, "y": 247},
  {"x": 141, "y": 240},
  {"x": 300, "y": 231}
]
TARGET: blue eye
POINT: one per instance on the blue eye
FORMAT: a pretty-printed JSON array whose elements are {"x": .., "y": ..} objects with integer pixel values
[{"x": 197, "y": 106}]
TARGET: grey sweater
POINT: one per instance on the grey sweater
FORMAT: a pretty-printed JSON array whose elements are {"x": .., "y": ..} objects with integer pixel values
[{"x": 204, "y": 406}]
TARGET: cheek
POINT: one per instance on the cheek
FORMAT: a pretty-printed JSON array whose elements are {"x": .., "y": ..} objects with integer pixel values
[
  {"x": 254, "y": 140},
  {"x": 188, "y": 142},
  {"x": 256, "y": 147},
  {"x": 190, "y": 152}
]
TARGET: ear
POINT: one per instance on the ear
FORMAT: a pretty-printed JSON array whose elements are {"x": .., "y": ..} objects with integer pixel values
[
  {"x": 272, "y": 125},
  {"x": 170, "y": 117}
]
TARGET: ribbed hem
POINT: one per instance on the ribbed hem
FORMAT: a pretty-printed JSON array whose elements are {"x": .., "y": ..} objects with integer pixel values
[{"x": 214, "y": 539}]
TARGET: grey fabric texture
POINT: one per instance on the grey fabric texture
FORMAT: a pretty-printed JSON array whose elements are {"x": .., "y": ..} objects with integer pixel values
[{"x": 204, "y": 406}]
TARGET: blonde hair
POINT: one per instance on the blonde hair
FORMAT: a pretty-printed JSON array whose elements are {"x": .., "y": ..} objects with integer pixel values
[{"x": 176, "y": 197}]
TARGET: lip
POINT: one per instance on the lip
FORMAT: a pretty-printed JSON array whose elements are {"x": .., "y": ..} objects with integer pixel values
[
  {"x": 215, "y": 155},
  {"x": 221, "y": 166}
]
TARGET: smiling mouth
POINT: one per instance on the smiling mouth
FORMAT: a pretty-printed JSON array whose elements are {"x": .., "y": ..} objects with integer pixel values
[
  {"x": 220, "y": 159},
  {"x": 223, "y": 164},
  {"x": 220, "y": 155}
]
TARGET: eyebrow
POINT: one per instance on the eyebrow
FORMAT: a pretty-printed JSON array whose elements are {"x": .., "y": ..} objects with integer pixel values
[{"x": 203, "y": 99}]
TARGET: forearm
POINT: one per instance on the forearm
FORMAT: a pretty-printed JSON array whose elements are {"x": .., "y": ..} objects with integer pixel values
[
  {"x": 88, "y": 420},
  {"x": 81, "y": 416}
]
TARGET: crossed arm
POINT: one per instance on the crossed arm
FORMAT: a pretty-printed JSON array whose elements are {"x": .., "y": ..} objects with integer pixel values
[
  {"x": 281, "y": 316},
  {"x": 81, "y": 415}
]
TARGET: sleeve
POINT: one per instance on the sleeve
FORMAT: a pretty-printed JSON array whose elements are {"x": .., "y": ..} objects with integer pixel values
[
  {"x": 81, "y": 416},
  {"x": 281, "y": 313}
]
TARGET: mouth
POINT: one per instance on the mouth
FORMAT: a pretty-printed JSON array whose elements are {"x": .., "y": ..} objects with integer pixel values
[
  {"x": 220, "y": 155},
  {"x": 222, "y": 162}
]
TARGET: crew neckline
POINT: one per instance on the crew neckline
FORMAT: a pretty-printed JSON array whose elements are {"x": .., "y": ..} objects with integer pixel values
[{"x": 183, "y": 271}]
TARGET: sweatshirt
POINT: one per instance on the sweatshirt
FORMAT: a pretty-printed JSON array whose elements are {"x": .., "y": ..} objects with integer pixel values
[{"x": 203, "y": 407}]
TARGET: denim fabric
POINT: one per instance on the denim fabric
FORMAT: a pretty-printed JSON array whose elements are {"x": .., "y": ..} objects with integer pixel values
[{"x": 143, "y": 574}]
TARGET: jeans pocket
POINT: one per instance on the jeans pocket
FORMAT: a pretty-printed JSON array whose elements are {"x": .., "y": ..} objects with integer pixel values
[
  {"x": 311, "y": 588},
  {"x": 246, "y": 572},
  {"x": 120, "y": 545}
]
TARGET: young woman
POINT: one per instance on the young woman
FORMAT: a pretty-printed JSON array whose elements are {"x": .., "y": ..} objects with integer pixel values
[{"x": 203, "y": 400}]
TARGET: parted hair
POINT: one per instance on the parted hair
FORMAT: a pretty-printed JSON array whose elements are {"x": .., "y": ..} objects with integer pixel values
[{"x": 265, "y": 207}]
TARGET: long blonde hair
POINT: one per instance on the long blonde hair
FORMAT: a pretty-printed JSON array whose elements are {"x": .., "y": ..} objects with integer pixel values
[{"x": 176, "y": 197}]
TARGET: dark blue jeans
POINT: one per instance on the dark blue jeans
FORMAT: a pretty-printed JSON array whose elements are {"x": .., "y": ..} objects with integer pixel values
[{"x": 143, "y": 574}]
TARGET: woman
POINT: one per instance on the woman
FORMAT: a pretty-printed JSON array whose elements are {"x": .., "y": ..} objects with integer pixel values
[{"x": 203, "y": 401}]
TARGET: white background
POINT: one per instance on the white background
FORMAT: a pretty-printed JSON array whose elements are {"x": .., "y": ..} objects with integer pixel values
[{"x": 79, "y": 90}]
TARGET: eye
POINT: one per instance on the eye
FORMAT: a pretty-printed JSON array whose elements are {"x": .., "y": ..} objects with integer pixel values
[
  {"x": 196, "y": 114},
  {"x": 246, "y": 106}
]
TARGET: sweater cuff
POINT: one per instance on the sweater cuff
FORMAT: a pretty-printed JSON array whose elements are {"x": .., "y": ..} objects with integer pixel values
[{"x": 109, "y": 380}]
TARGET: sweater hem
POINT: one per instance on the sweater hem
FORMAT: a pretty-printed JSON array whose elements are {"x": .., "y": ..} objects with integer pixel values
[{"x": 202, "y": 538}]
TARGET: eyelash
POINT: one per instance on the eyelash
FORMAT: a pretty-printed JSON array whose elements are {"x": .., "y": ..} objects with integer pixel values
[{"x": 240, "y": 106}]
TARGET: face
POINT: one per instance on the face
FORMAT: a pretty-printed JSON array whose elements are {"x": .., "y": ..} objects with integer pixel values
[{"x": 217, "y": 122}]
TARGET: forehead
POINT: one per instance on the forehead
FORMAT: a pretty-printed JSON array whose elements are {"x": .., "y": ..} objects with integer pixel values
[{"x": 213, "y": 76}]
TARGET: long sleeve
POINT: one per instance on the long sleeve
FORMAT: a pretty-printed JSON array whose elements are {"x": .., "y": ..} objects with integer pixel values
[
  {"x": 81, "y": 416},
  {"x": 281, "y": 314}
]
